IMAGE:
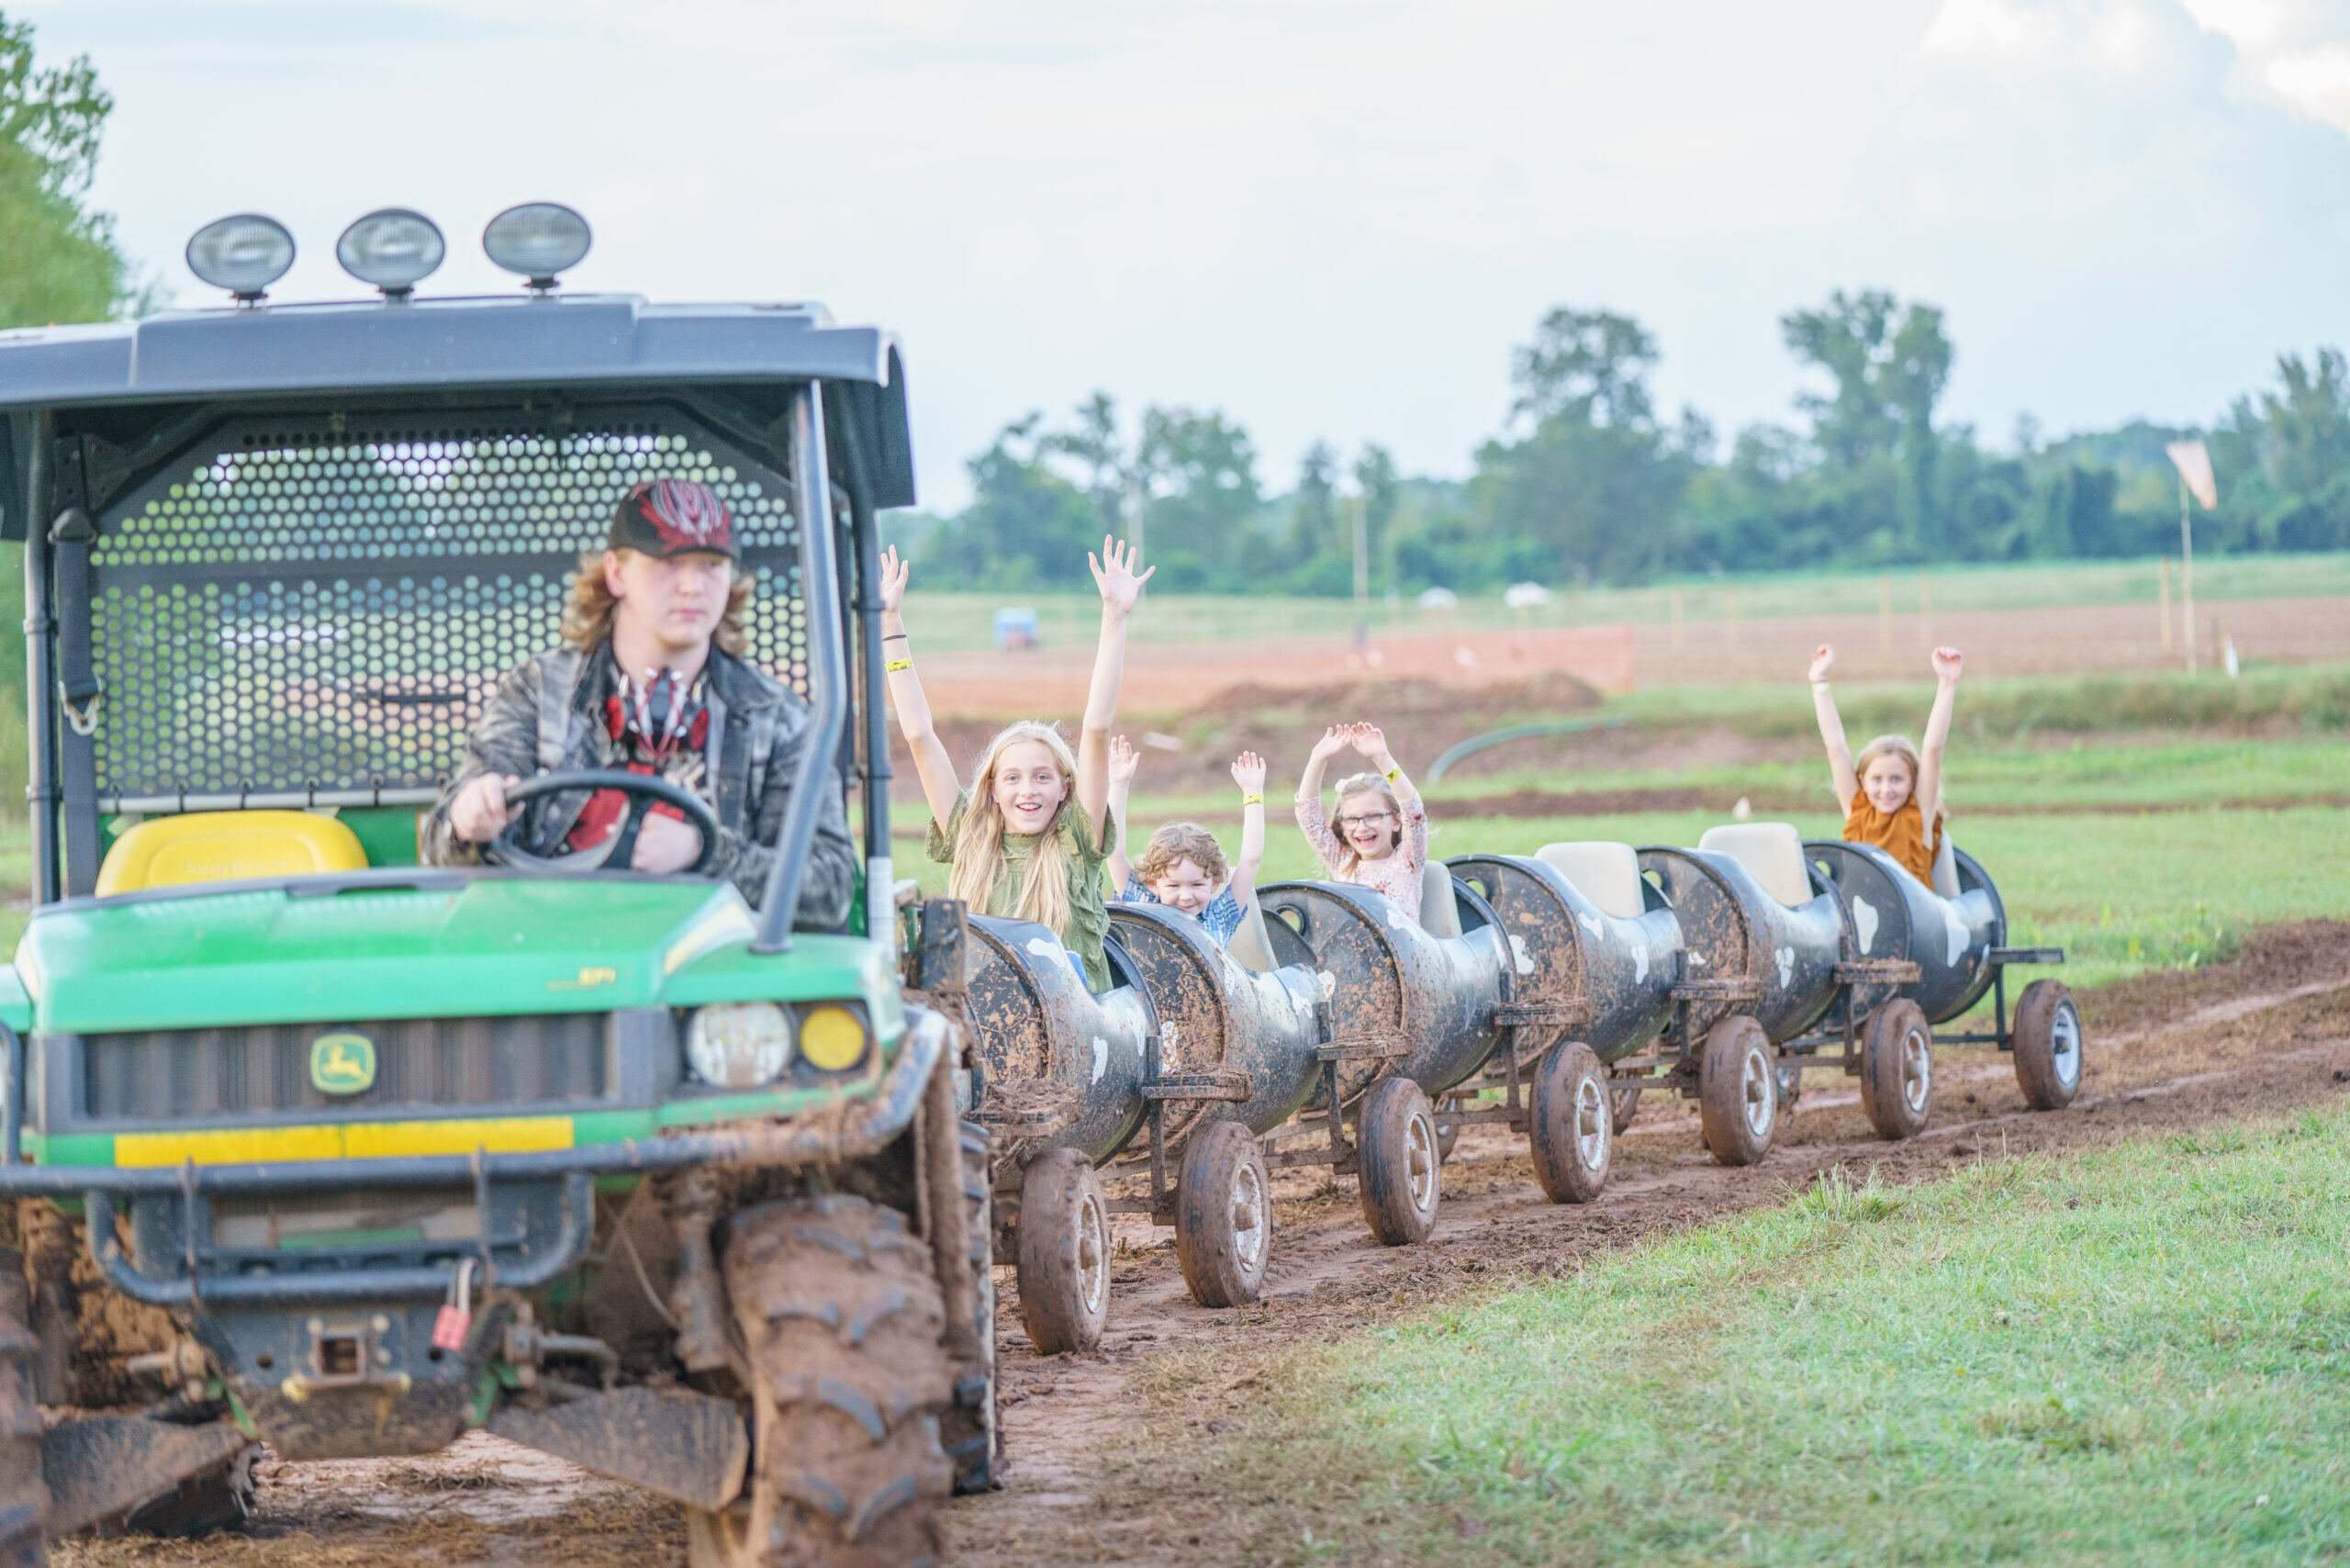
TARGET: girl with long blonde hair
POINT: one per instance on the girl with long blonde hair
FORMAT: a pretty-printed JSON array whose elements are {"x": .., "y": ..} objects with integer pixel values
[
  {"x": 1028, "y": 838},
  {"x": 1892, "y": 793}
]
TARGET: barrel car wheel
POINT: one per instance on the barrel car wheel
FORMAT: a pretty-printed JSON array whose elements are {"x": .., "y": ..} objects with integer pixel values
[
  {"x": 2048, "y": 1045},
  {"x": 1064, "y": 1253},
  {"x": 1224, "y": 1215},
  {"x": 1897, "y": 1069},
  {"x": 1573, "y": 1133},
  {"x": 1398, "y": 1149},
  {"x": 1738, "y": 1091}
]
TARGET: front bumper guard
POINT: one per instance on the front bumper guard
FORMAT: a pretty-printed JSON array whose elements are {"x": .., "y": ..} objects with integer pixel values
[{"x": 865, "y": 1128}]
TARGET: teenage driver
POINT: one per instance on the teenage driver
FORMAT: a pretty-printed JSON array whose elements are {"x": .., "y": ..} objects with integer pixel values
[{"x": 650, "y": 679}]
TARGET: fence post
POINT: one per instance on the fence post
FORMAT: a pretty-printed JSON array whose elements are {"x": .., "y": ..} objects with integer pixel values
[{"x": 2163, "y": 580}]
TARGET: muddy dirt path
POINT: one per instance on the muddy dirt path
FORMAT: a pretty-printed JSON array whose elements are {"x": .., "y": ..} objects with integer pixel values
[{"x": 2263, "y": 1035}]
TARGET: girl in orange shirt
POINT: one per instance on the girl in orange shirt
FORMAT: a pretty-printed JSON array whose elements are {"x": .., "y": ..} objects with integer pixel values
[{"x": 1891, "y": 793}]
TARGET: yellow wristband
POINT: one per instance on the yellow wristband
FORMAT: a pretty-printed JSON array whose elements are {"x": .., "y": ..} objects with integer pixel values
[
  {"x": 1394, "y": 774},
  {"x": 1252, "y": 799},
  {"x": 894, "y": 665}
]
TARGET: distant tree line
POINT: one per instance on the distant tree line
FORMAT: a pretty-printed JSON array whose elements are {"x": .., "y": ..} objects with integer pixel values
[{"x": 1588, "y": 481}]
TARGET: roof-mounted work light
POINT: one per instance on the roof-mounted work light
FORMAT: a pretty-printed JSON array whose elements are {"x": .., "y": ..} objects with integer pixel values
[
  {"x": 539, "y": 239},
  {"x": 244, "y": 254},
  {"x": 393, "y": 249}
]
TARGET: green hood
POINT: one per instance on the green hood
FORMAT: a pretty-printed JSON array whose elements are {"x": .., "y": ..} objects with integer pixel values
[{"x": 494, "y": 944}]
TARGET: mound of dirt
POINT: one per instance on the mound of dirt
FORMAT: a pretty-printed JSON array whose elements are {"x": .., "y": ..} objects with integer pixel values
[{"x": 1192, "y": 750}]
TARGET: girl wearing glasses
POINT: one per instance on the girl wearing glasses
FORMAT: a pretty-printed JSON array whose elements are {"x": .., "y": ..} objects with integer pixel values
[{"x": 1381, "y": 840}]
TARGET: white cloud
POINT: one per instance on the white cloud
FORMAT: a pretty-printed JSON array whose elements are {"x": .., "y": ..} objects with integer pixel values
[{"x": 1330, "y": 217}]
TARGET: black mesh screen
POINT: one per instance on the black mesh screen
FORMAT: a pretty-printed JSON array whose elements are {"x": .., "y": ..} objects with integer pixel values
[{"x": 320, "y": 610}]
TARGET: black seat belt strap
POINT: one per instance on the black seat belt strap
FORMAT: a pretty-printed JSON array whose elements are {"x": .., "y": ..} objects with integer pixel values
[{"x": 80, "y": 695}]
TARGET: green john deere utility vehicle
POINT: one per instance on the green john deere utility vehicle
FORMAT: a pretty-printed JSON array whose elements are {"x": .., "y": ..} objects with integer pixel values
[{"x": 305, "y": 1142}]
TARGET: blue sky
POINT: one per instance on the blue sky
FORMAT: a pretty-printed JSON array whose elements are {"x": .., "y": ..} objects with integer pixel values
[{"x": 1328, "y": 218}]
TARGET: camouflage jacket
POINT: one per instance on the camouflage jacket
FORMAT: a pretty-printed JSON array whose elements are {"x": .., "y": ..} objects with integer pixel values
[{"x": 546, "y": 717}]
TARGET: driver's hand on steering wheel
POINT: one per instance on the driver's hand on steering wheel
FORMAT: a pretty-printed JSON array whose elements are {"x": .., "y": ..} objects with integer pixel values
[
  {"x": 665, "y": 845},
  {"x": 479, "y": 812}
]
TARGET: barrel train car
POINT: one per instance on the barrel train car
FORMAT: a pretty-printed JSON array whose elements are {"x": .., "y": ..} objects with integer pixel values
[{"x": 1544, "y": 992}]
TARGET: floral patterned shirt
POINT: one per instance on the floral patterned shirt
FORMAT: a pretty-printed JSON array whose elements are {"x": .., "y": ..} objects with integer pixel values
[{"x": 1397, "y": 876}]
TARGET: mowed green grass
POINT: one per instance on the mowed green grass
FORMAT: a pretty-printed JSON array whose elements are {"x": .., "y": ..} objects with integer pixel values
[
  {"x": 2138, "y": 1356},
  {"x": 946, "y": 618}
]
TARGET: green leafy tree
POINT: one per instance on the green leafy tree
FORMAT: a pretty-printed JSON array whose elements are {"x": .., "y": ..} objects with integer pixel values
[
  {"x": 1105, "y": 467},
  {"x": 59, "y": 261},
  {"x": 1890, "y": 363},
  {"x": 1202, "y": 473},
  {"x": 1315, "y": 533}
]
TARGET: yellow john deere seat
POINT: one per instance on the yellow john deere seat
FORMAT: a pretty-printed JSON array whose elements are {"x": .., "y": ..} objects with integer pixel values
[{"x": 226, "y": 847}]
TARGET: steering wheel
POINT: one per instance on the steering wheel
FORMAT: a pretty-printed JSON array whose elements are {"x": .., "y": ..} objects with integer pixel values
[{"x": 643, "y": 792}]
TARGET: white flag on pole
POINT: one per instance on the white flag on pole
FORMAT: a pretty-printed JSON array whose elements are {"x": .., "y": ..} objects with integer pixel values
[{"x": 2193, "y": 461}]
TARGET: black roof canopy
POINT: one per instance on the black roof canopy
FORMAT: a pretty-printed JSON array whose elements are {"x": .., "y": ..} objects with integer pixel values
[{"x": 124, "y": 375}]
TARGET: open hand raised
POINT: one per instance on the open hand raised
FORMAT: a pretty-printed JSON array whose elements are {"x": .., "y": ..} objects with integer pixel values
[
  {"x": 1123, "y": 760},
  {"x": 1949, "y": 663},
  {"x": 1823, "y": 659},
  {"x": 1115, "y": 574},
  {"x": 1249, "y": 772},
  {"x": 1334, "y": 741},
  {"x": 1370, "y": 740},
  {"x": 894, "y": 569}
]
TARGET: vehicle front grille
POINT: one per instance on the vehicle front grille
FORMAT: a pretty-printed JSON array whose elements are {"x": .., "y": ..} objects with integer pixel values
[{"x": 191, "y": 1073}]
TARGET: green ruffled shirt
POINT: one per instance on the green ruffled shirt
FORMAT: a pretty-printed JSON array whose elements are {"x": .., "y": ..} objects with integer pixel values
[{"x": 1088, "y": 911}]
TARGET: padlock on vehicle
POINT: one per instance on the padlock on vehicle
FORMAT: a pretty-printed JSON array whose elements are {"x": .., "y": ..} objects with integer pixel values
[{"x": 455, "y": 1318}]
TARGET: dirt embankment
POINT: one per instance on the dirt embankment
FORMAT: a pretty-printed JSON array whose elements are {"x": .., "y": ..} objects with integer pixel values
[{"x": 2252, "y": 1038}]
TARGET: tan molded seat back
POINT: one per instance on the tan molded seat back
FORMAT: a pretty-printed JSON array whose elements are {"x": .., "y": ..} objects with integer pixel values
[
  {"x": 1251, "y": 948},
  {"x": 226, "y": 847},
  {"x": 1606, "y": 874},
  {"x": 1946, "y": 867},
  {"x": 1772, "y": 854},
  {"x": 1439, "y": 910}
]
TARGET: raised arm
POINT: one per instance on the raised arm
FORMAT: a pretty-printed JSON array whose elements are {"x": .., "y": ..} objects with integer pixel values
[
  {"x": 1249, "y": 772},
  {"x": 1121, "y": 588},
  {"x": 932, "y": 765},
  {"x": 1123, "y": 763},
  {"x": 1949, "y": 664},
  {"x": 1372, "y": 741},
  {"x": 1832, "y": 729},
  {"x": 1311, "y": 819}
]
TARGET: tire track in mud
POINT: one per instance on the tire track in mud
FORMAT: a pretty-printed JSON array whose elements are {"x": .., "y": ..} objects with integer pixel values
[{"x": 2263, "y": 1035}]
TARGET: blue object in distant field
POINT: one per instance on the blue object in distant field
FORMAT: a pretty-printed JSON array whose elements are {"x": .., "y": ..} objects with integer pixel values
[{"x": 1016, "y": 628}]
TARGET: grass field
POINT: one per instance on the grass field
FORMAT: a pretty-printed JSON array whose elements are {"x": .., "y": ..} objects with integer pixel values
[
  {"x": 2129, "y": 855},
  {"x": 950, "y": 619},
  {"x": 2136, "y": 1356}
]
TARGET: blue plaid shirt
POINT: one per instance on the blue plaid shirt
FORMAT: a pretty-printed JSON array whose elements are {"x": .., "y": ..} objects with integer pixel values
[{"x": 1221, "y": 915}]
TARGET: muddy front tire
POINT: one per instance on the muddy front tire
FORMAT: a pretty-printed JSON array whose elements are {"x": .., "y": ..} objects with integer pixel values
[
  {"x": 839, "y": 1317},
  {"x": 1897, "y": 1069},
  {"x": 1397, "y": 1148},
  {"x": 970, "y": 1427},
  {"x": 1573, "y": 1131},
  {"x": 24, "y": 1500},
  {"x": 1224, "y": 1215},
  {"x": 2048, "y": 1045},
  {"x": 1738, "y": 1091},
  {"x": 1064, "y": 1252}
]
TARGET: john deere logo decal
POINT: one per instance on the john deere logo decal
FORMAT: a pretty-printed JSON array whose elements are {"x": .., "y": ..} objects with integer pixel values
[{"x": 343, "y": 1064}]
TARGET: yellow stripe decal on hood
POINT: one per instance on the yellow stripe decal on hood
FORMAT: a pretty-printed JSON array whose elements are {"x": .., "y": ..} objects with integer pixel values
[{"x": 349, "y": 1140}]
